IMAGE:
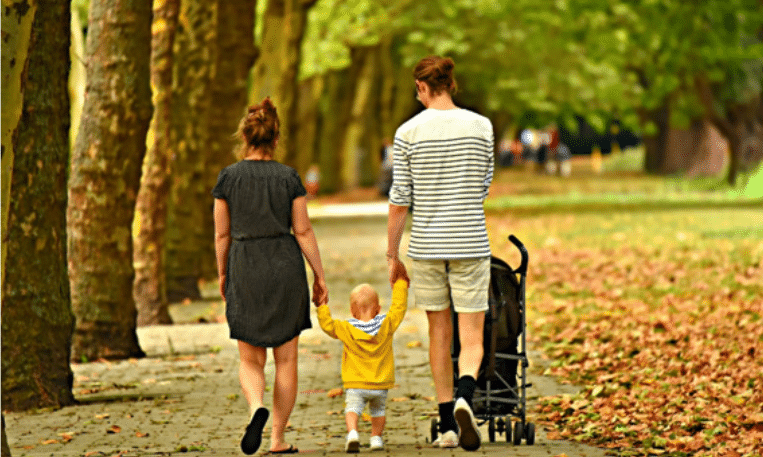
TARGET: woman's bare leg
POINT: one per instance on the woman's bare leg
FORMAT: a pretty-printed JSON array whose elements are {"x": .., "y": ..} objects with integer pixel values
[
  {"x": 251, "y": 374},
  {"x": 440, "y": 362},
  {"x": 284, "y": 391},
  {"x": 470, "y": 334}
]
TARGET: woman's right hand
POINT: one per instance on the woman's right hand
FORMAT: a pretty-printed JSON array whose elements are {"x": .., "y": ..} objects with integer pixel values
[
  {"x": 320, "y": 291},
  {"x": 397, "y": 270}
]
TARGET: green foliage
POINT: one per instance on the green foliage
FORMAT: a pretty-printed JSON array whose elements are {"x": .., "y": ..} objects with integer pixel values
[{"x": 554, "y": 57}]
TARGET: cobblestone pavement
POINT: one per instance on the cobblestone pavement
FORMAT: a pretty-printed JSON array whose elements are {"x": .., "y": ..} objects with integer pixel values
[{"x": 184, "y": 397}]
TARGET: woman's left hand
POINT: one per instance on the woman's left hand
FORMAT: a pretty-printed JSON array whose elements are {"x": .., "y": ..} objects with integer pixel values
[
  {"x": 320, "y": 292},
  {"x": 222, "y": 286}
]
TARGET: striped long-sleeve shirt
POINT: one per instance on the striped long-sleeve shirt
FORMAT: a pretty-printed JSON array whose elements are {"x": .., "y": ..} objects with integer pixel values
[{"x": 443, "y": 166}]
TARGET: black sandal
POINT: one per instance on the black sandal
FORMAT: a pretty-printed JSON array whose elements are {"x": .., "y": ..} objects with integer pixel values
[
  {"x": 253, "y": 435},
  {"x": 289, "y": 450}
]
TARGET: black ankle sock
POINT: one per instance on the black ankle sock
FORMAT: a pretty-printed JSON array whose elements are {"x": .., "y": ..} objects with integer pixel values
[
  {"x": 447, "y": 420},
  {"x": 465, "y": 390}
]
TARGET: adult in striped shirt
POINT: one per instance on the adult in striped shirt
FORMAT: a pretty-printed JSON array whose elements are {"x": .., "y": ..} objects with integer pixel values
[{"x": 443, "y": 166}]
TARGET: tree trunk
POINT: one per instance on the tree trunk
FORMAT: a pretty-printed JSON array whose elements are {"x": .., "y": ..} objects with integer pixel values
[
  {"x": 306, "y": 133},
  {"x": 105, "y": 178},
  {"x": 405, "y": 104},
  {"x": 353, "y": 150},
  {"x": 76, "y": 77},
  {"x": 5, "y": 451},
  {"x": 37, "y": 320},
  {"x": 334, "y": 106},
  {"x": 235, "y": 54},
  {"x": 275, "y": 73},
  {"x": 740, "y": 123},
  {"x": 189, "y": 205},
  {"x": 387, "y": 69},
  {"x": 17, "y": 32},
  {"x": 697, "y": 150},
  {"x": 656, "y": 145},
  {"x": 150, "y": 288}
]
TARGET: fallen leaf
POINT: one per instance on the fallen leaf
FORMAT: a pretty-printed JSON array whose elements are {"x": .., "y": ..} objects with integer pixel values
[
  {"x": 335, "y": 392},
  {"x": 114, "y": 429}
]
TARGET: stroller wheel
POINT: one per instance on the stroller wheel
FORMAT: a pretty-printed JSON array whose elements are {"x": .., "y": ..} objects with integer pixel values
[
  {"x": 517, "y": 433},
  {"x": 530, "y": 433},
  {"x": 433, "y": 429},
  {"x": 507, "y": 425},
  {"x": 491, "y": 430}
]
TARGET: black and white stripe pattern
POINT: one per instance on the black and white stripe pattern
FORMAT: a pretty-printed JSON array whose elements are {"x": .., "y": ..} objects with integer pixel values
[
  {"x": 443, "y": 165},
  {"x": 371, "y": 327}
]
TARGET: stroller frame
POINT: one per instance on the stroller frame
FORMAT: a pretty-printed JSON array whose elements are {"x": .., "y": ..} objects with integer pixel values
[{"x": 501, "y": 399}]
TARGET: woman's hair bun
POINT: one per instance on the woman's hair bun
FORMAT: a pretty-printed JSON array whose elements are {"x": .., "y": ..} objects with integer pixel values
[
  {"x": 437, "y": 73},
  {"x": 262, "y": 111},
  {"x": 260, "y": 127}
]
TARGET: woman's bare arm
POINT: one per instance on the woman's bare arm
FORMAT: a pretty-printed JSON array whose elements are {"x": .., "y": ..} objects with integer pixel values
[
  {"x": 303, "y": 231},
  {"x": 222, "y": 240}
]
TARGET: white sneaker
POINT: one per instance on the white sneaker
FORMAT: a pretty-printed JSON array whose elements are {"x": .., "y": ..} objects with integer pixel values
[
  {"x": 448, "y": 439},
  {"x": 352, "y": 446},
  {"x": 469, "y": 436},
  {"x": 376, "y": 443}
]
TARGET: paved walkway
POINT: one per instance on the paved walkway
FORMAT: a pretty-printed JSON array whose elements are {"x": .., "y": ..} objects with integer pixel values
[{"x": 184, "y": 397}]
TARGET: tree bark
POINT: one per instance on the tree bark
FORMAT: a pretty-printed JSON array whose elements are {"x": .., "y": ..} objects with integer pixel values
[
  {"x": 105, "y": 178},
  {"x": 742, "y": 125},
  {"x": 5, "y": 451},
  {"x": 76, "y": 76},
  {"x": 306, "y": 132},
  {"x": 353, "y": 149},
  {"x": 275, "y": 73},
  {"x": 655, "y": 145},
  {"x": 334, "y": 106},
  {"x": 17, "y": 32},
  {"x": 37, "y": 320},
  {"x": 189, "y": 205},
  {"x": 150, "y": 287},
  {"x": 234, "y": 57},
  {"x": 388, "y": 66}
]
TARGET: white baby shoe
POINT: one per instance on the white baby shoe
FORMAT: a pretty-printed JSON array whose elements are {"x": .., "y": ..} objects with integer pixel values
[{"x": 376, "y": 443}]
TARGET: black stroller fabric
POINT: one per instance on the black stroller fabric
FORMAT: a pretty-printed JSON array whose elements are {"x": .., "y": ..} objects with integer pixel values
[{"x": 503, "y": 323}]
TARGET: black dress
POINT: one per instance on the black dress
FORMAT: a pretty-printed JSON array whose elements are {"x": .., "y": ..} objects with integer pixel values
[{"x": 266, "y": 292}]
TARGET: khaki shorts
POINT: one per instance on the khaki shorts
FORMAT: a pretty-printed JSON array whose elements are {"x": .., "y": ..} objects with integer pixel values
[{"x": 465, "y": 281}]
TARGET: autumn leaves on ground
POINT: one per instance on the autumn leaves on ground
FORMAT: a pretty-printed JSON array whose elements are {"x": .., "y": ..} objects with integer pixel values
[{"x": 656, "y": 312}]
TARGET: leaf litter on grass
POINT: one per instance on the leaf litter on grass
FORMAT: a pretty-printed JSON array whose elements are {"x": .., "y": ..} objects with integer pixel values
[{"x": 663, "y": 332}]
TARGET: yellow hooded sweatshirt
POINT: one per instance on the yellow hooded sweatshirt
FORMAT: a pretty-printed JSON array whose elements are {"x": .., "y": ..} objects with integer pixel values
[{"x": 368, "y": 360}]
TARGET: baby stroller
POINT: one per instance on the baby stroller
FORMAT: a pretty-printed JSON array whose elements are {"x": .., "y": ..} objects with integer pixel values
[{"x": 502, "y": 381}]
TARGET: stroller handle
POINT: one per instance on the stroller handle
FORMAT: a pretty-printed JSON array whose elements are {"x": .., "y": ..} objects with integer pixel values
[{"x": 525, "y": 256}]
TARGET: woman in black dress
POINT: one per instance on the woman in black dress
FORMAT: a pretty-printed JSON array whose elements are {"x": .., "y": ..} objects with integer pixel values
[{"x": 258, "y": 203}]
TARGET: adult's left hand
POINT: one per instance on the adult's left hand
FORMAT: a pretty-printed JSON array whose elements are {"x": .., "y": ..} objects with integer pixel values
[{"x": 320, "y": 292}]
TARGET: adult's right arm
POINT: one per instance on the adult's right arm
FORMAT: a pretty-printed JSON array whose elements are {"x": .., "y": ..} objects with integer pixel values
[
  {"x": 303, "y": 231},
  {"x": 395, "y": 226},
  {"x": 222, "y": 240}
]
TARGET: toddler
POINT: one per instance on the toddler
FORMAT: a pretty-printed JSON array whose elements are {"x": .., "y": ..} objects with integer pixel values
[{"x": 368, "y": 366}]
